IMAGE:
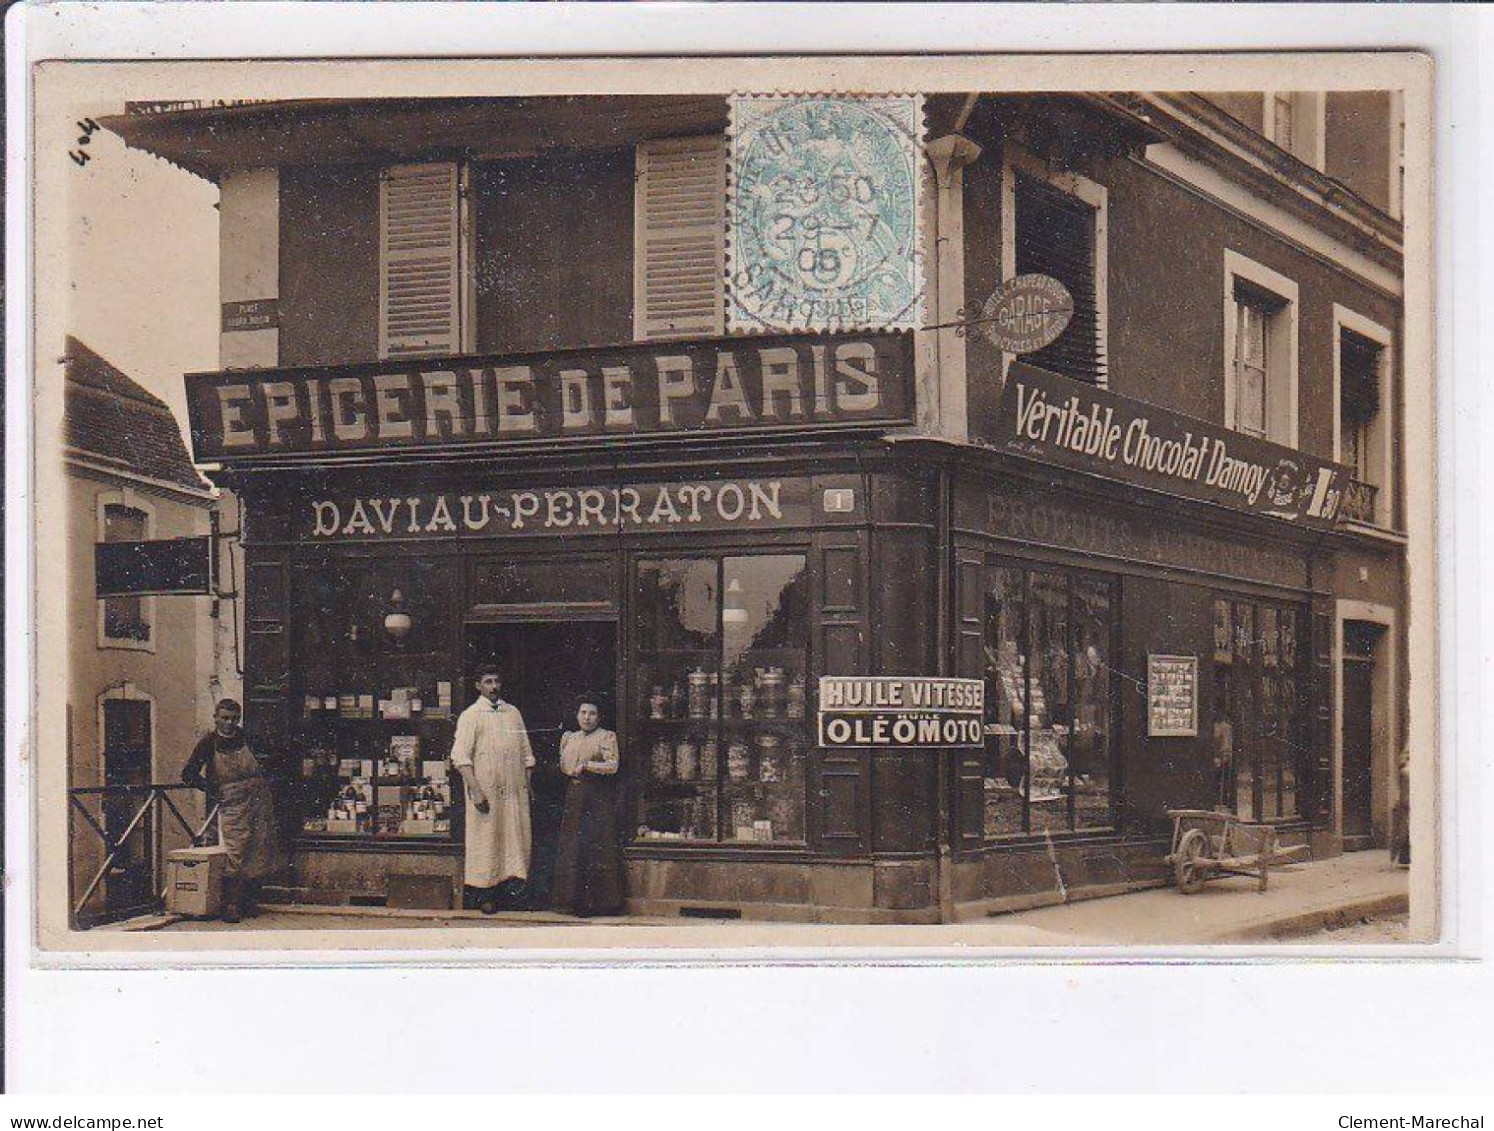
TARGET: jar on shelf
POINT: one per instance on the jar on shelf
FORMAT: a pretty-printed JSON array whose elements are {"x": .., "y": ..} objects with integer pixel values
[
  {"x": 708, "y": 760},
  {"x": 700, "y": 694},
  {"x": 797, "y": 697},
  {"x": 658, "y": 703},
  {"x": 738, "y": 758},
  {"x": 686, "y": 760},
  {"x": 774, "y": 691},
  {"x": 662, "y": 762},
  {"x": 747, "y": 698},
  {"x": 769, "y": 758}
]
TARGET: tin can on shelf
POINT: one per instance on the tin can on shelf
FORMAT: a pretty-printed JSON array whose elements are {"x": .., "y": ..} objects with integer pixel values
[{"x": 708, "y": 760}]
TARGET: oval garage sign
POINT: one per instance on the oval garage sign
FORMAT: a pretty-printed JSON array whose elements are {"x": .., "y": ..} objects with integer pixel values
[{"x": 1026, "y": 313}]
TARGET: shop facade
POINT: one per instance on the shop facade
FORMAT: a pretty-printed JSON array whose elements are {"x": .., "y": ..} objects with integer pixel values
[{"x": 552, "y": 459}]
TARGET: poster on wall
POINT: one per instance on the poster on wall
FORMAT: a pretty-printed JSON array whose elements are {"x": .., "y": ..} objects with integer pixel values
[
  {"x": 906, "y": 712},
  {"x": 1172, "y": 696}
]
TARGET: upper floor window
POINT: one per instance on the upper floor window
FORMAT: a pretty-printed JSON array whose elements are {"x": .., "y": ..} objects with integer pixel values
[
  {"x": 124, "y": 621},
  {"x": 469, "y": 258},
  {"x": 1260, "y": 335},
  {"x": 1362, "y": 409},
  {"x": 1294, "y": 120},
  {"x": 1057, "y": 223}
]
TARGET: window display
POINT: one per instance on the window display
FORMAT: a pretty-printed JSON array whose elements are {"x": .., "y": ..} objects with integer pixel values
[
  {"x": 1049, "y": 691},
  {"x": 720, "y": 700},
  {"x": 374, "y": 725}
]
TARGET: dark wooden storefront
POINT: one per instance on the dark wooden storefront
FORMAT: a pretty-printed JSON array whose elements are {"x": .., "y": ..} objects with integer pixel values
[{"x": 1116, "y": 576}]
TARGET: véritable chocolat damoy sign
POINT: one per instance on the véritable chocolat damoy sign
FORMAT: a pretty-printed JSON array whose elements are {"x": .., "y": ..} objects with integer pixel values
[
  {"x": 656, "y": 389},
  {"x": 1059, "y": 420}
]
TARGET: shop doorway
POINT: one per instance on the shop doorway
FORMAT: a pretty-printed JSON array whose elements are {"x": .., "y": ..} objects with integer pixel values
[
  {"x": 1358, "y": 733},
  {"x": 127, "y": 742},
  {"x": 546, "y": 665}
]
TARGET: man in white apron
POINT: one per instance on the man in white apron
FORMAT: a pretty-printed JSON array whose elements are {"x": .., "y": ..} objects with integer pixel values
[{"x": 492, "y": 753}]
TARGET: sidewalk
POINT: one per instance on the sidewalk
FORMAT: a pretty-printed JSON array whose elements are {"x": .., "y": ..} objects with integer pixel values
[
  {"x": 1230, "y": 910},
  {"x": 1298, "y": 906}
]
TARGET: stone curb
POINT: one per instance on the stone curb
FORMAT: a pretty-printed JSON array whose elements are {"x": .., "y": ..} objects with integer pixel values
[{"x": 1320, "y": 918}]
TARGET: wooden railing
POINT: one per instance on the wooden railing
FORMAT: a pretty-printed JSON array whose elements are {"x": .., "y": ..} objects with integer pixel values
[{"x": 140, "y": 815}]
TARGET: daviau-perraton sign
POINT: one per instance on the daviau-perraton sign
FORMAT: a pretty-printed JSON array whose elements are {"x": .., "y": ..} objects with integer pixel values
[
  {"x": 1062, "y": 421},
  {"x": 766, "y": 384},
  {"x": 901, "y": 711},
  {"x": 732, "y": 504}
]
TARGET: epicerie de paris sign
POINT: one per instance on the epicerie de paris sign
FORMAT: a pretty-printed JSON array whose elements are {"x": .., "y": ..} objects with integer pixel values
[
  {"x": 738, "y": 386},
  {"x": 1067, "y": 422},
  {"x": 902, "y": 712}
]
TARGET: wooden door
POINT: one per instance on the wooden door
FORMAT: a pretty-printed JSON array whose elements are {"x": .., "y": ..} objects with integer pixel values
[
  {"x": 1358, "y": 746},
  {"x": 127, "y": 763}
]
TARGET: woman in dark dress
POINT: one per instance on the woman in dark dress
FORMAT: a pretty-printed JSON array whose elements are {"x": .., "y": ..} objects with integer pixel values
[{"x": 588, "y": 867}]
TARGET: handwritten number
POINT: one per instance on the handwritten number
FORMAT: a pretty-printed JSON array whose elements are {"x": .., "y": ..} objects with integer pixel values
[{"x": 86, "y": 129}]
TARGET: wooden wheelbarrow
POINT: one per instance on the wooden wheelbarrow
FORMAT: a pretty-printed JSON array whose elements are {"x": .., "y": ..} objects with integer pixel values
[{"x": 1206, "y": 844}]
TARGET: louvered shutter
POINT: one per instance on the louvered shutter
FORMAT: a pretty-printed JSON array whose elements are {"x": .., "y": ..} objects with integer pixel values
[
  {"x": 680, "y": 247},
  {"x": 1056, "y": 237},
  {"x": 419, "y": 280}
]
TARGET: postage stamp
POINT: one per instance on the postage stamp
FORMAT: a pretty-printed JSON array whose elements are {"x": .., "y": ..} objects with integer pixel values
[{"x": 823, "y": 213}]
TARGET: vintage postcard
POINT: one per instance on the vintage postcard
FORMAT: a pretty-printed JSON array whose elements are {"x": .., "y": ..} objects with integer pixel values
[{"x": 696, "y": 505}]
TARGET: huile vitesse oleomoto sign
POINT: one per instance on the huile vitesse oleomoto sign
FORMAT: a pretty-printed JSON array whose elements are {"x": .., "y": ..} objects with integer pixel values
[
  {"x": 901, "y": 712},
  {"x": 1062, "y": 421},
  {"x": 722, "y": 385}
]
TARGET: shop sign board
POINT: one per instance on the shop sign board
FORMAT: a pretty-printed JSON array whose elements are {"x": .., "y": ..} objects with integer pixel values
[
  {"x": 901, "y": 712},
  {"x": 1026, "y": 313},
  {"x": 1067, "y": 422},
  {"x": 646, "y": 391},
  {"x": 161, "y": 566},
  {"x": 1171, "y": 696},
  {"x": 707, "y": 504}
]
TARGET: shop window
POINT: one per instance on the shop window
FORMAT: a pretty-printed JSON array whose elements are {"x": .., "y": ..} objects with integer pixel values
[
  {"x": 1057, "y": 235},
  {"x": 125, "y": 622},
  {"x": 719, "y": 727},
  {"x": 1362, "y": 378},
  {"x": 372, "y": 684},
  {"x": 679, "y": 260},
  {"x": 420, "y": 261},
  {"x": 1260, "y": 757},
  {"x": 1049, "y": 694},
  {"x": 1260, "y": 334}
]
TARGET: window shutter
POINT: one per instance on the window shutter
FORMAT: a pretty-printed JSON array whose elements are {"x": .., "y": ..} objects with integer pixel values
[
  {"x": 1359, "y": 375},
  {"x": 1056, "y": 236},
  {"x": 680, "y": 250},
  {"x": 419, "y": 241}
]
